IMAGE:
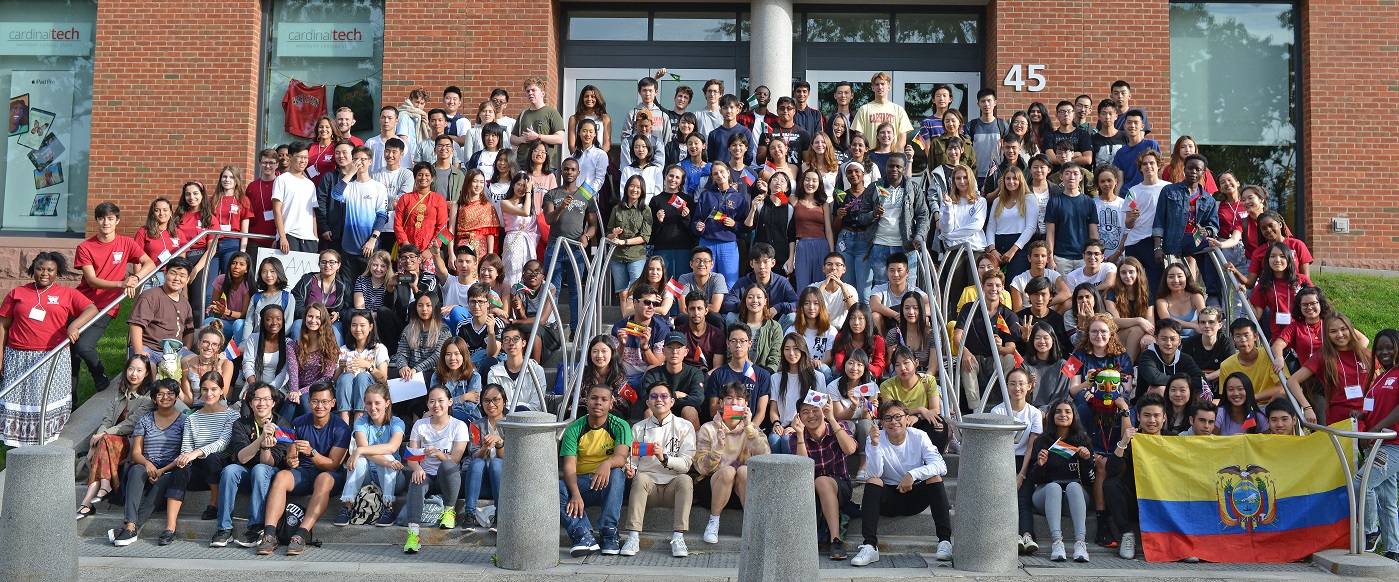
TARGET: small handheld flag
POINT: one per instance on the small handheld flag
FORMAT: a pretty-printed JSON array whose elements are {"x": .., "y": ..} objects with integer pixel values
[
  {"x": 1132, "y": 205},
  {"x": 867, "y": 390},
  {"x": 412, "y": 454},
  {"x": 675, "y": 77},
  {"x": 1199, "y": 237},
  {"x": 719, "y": 216},
  {"x": 284, "y": 436},
  {"x": 752, "y": 101},
  {"x": 495, "y": 300},
  {"x": 677, "y": 201},
  {"x": 1071, "y": 367},
  {"x": 884, "y": 193},
  {"x": 735, "y": 411},
  {"x": 586, "y": 191},
  {"x": 1063, "y": 449},
  {"x": 815, "y": 398},
  {"x": 749, "y": 372},
  {"x": 444, "y": 236},
  {"x": 635, "y": 329},
  {"x": 523, "y": 290},
  {"x": 1019, "y": 361},
  {"x": 1206, "y": 392},
  {"x": 748, "y": 177},
  {"x": 232, "y": 352},
  {"x": 1251, "y": 422},
  {"x": 675, "y": 289},
  {"x": 642, "y": 449},
  {"x": 1001, "y": 325}
]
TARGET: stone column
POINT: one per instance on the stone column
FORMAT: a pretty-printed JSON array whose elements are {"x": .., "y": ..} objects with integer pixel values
[
  {"x": 778, "y": 518},
  {"x": 37, "y": 530},
  {"x": 984, "y": 525},
  {"x": 528, "y": 516},
  {"x": 771, "y": 47}
]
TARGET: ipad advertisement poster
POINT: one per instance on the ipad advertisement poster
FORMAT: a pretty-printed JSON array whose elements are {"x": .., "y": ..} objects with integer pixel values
[{"x": 38, "y": 152}]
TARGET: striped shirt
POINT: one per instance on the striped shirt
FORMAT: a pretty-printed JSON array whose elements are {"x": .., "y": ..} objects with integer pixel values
[
  {"x": 208, "y": 432},
  {"x": 160, "y": 446}
]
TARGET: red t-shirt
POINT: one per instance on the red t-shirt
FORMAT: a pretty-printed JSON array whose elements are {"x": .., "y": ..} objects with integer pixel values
[
  {"x": 703, "y": 348},
  {"x": 190, "y": 226},
  {"x": 25, "y": 307},
  {"x": 1231, "y": 218},
  {"x": 1300, "y": 254},
  {"x": 322, "y": 162},
  {"x": 259, "y": 202},
  {"x": 229, "y": 214},
  {"x": 109, "y": 260},
  {"x": 1350, "y": 372},
  {"x": 1302, "y": 337},
  {"x": 1275, "y": 300},
  {"x": 1385, "y": 392},
  {"x": 157, "y": 246}
]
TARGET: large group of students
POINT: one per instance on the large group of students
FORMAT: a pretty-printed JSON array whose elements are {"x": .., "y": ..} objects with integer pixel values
[{"x": 767, "y": 265}]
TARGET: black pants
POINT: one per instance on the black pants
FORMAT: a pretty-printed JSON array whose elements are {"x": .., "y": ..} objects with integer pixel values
[
  {"x": 85, "y": 351},
  {"x": 937, "y": 436},
  {"x": 386, "y": 241},
  {"x": 1024, "y": 501},
  {"x": 887, "y": 501},
  {"x": 302, "y": 245},
  {"x": 204, "y": 471},
  {"x": 142, "y": 495},
  {"x": 354, "y": 265},
  {"x": 1121, "y": 495}
]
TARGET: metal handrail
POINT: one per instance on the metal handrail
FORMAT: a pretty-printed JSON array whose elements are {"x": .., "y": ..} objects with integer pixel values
[
  {"x": 63, "y": 345},
  {"x": 558, "y": 424},
  {"x": 1356, "y": 498},
  {"x": 951, "y": 407},
  {"x": 1019, "y": 426},
  {"x": 965, "y": 250}
]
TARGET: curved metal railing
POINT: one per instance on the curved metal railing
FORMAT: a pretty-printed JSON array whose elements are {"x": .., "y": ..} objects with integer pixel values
[{"x": 1354, "y": 496}]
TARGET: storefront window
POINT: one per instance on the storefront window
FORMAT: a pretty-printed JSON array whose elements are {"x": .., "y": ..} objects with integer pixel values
[
  {"x": 837, "y": 27},
  {"x": 1233, "y": 91},
  {"x": 322, "y": 55},
  {"x": 46, "y": 51},
  {"x": 607, "y": 26}
]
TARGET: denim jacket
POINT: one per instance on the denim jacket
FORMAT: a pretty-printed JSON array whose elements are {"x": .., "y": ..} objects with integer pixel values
[{"x": 1179, "y": 214}]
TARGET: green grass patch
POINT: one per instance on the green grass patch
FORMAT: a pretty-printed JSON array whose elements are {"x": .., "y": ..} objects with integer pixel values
[
  {"x": 1371, "y": 302},
  {"x": 112, "y": 348}
]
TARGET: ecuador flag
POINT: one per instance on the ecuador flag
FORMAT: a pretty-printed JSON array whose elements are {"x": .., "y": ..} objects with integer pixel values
[{"x": 1244, "y": 498}]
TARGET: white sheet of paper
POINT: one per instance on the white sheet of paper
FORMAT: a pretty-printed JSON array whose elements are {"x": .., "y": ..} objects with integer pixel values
[{"x": 401, "y": 390}]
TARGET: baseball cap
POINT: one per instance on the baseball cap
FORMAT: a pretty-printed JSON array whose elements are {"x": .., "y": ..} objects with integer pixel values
[{"x": 676, "y": 338}]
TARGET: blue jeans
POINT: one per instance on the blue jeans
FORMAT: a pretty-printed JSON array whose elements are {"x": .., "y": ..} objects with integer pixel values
[
  {"x": 481, "y": 472},
  {"x": 879, "y": 255},
  {"x": 623, "y": 273},
  {"x": 853, "y": 247},
  {"x": 563, "y": 269},
  {"x": 726, "y": 259},
  {"x": 780, "y": 445},
  {"x": 231, "y": 329},
  {"x": 457, "y": 316},
  {"x": 610, "y": 498},
  {"x": 222, "y": 255},
  {"x": 349, "y": 391},
  {"x": 364, "y": 469},
  {"x": 235, "y": 478},
  {"x": 1382, "y": 499},
  {"x": 295, "y": 332},
  {"x": 677, "y": 261},
  {"x": 291, "y": 409}
]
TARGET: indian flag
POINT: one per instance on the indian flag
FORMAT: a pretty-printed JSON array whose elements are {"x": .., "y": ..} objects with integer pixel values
[{"x": 1063, "y": 449}]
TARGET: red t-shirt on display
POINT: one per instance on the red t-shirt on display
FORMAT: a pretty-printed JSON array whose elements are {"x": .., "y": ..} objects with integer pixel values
[
  {"x": 157, "y": 246},
  {"x": 109, "y": 261},
  {"x": 1350, "y": 373},
  {"x": 39, "y": 319},
  {"x": 1384, "y": 392},
  {"x": 303, "y": 106},
  {"x": 259, "y": 202},
  {"x": 190, "y": 226}
]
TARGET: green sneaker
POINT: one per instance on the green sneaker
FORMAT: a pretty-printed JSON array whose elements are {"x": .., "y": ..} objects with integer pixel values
[
  {"x": 412, "y": 545},
  {"x": 449, "y": 519}
]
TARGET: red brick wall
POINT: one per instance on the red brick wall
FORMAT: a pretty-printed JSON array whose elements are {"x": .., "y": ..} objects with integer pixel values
[
  {"x": 1348, "y": 51},
  {"x": 171, "y": 103},
  {"x": 470, "y": 51},
  {"x": 1097, "y": 52}
]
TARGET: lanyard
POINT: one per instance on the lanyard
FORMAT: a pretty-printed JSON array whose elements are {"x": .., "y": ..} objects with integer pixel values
[
  {"x": 39, "y": 299},
  {"x": 1341, "y": 369},
  {"x": 1390, "y": 373}
]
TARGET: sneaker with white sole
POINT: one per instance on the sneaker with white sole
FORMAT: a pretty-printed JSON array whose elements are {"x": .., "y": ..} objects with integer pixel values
[
  {"x": 1128, "y": 549},
  {"x": 121, "y": 537},
  {"x": 1020, "y": 544},
  {"x": 865, "y": 555},
  {"x": 944, "y": 553},
  {"x": 678, "y": 549},
  {"x": 711, "y": 533},
  {"x": 631, "y": 546},
  {"x": 1056, "y": 551},
  {"x": 1030, "y": 545},
  {"x": 1080, "y": 551}
]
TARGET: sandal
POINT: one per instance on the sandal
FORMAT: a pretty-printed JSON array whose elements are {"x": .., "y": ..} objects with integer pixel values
[
  {"x": 85, "y": 510},
  {"x": 101, "y": 495}
]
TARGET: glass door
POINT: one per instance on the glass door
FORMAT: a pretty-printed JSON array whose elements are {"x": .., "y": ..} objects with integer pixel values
[
  {"x": 618, "y": 88},
  {"x": 912, "y": 89}
]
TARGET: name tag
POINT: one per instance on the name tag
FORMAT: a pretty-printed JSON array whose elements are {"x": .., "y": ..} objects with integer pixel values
[
  {"x": 233, "y": 207},
  {"x": 164, "y": 255},
  {"x": 312, "y": 172},
  {"x": 1353, "y": 391},
  {"x": 225, "y": 227},
  {"x": 1243, "y": 214},
  {"x": 37, "y": 314},
  {"x": 267, "y": 215},
  {"x": 1369, "y": 405},
  {"x": 1282, "y": 318}
]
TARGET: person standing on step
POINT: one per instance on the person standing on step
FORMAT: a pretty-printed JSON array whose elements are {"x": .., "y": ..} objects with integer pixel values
[
  {"x": 660, "y": 473},
  {"x": 906, "y": 475},
  {"x": 103, "y": 260}
]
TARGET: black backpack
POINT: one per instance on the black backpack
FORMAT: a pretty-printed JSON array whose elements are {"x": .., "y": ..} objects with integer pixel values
[{"x": 290, "y": 521}]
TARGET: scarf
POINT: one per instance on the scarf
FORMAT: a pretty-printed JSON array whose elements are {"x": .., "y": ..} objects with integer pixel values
[{"x": 419, "y": 119}]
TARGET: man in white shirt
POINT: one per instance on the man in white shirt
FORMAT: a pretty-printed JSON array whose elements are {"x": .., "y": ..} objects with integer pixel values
[
  {"x": 1101, "y": 274},
  {"x": 905, "y": 477},
  {"x": 397, "y": 181},
  {"x": 388, "y": 122},
  {"x": 1141, "y": 209},
  {"x": 294, "y": 204},
  {"x": 660, "y": 466},
  {"x": 838, "y": 295}
]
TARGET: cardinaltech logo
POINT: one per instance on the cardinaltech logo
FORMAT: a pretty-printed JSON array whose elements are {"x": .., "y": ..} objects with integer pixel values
[
  {"x": 71, "y": 34},
  {"x": 332, "y": 35}
]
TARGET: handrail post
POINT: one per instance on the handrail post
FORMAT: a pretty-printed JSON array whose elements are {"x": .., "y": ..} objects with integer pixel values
[
  {"x": 529, "y": 510},
  {"x": 933, "y": 287},
  {"x": 987, "y": 475}
]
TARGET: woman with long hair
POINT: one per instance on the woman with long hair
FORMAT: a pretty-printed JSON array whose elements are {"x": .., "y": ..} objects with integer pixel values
[
  {"x": 378, "y": 435},
  {"x": 1014, "y": 220},
  {"x": 1303, "y": 337},
  {"x": 477, "y": 221},
  {"x": 591, "y": 156},
  {"x": 232, "y": 211},
  {"x": 484, "y": 455},
  {"x": 796, "y": 375},
  {"x": 765, "y": 351},
  {"x": 840, "y": 135},
  {"x": 1180, "y": 298},
  {"x": 208, "y": 357},
  {"x": 913, "y": 332},
  {"x": 1040, "y": 124},
  {"x": 420, "y": 346},
  {"x": 604, "y": 368},
  {"x": 311, "y": 358},
  {"x": 859, "y": 333},
  {"x": 1086, "y": 302},
  {"x": 159, "y": 236},
  {"x": 111, "y": 443},
  {"x": 1238, "y": 408},
  {"x": 322, "y": 150},
  {"x": 492, "y": 145},
  {"x": 194, "y": 215},
  {"x": 963, "y": 213},
  {"x": 1272, "y": 298},
  {"x": 231, "y": 293},
  {"x": 1046, "y": 359},
  {"x": 458, "y": 373},
  {"x": 363, "y": 361},
  {"x": 1129, "y": 301},
  {"x": 375, "y": 283},
  {"x": 1181, "y": 401},
  {"x": 592, "y": 108},
  {"x": 271, "y": 287},
  {"x": 542, "y": 178},
  {"x": 419, "y": 215},
  {"x": 1342, "y": 367},
  {"x": 498, "y": 179},
  {"x": 441, "y": 443},
  {"x": 810, "y": 228},
  {"x": 821, "y": 158},
  {"x": 265, "y": 351},
  {"x": 671, "y": 236},
  {"x": 1020, "y": 127},
  {"x": 813, "y": 325},
  {"x": 770, "y": 220},
  {"x": 207, "y": 433},
  {"x": 155, "y": 447},
  {"x": 646, "y": 164},
  {"x": 1175, "y": 168},
  {"x": 655, "y": 274},
  {"x": 629, "y": 228},
  {"x": 519, "y": 213},
  {"x": 1056, "y": 478}
]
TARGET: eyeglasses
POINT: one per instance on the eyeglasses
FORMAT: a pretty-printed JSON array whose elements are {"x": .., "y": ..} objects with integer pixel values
[
  {"x": 261, "y": 399},
  {"x": 496, "y": 400},
  {"x": 892, "y": 418},
  {"x": 165, "y": 395},
  {"x": 330, "y": 402},
  {"x": 511, "y": 340},
  {"x": 330, "y": 262},
  {"x": 659, "y": 396}
]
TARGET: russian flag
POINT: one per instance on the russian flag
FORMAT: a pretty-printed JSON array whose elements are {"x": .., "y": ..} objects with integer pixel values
[
  {"x": 1247, "y": 498},
  {"x": 284, "y": 436},
  {"x": 231, "y": 351},
  {"x": 412, "y": 454}
]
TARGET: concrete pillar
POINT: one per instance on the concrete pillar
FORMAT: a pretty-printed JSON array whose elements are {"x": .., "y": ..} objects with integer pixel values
[
  {"x": 984, "y": 533},
  {"x": 37, "y": 530},
  {"x": 778, "y": 518},
  {"x": 771, "y": 47},
  {"x": 528, "y": 516}
]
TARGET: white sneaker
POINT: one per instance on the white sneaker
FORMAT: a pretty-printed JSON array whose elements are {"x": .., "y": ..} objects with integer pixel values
[
  {"x": 1028, "y": 542},
  {"x": 678, "y": 549},
  {"x": 711, "y": 533},
  {"x": 944, "y": 551},
  {"x": 631, "y": 546},
  {"x": 866, "y": 555},
  {"x": 1020, "y": 544},
  {"x": 1128, "y": 548},
  {"x": 1080, "y": 551},
  {"x": 1056, "y": 551}
]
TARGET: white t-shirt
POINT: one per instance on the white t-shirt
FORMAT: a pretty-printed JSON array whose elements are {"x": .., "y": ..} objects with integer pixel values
[
  {"x": 1023, "y": 279},
  {"x": 817, "y": 344},
  {"x": 1077, "y": 277},
  {"x": 1112, "y": 223},
  {"x": 424, "y": 434},
  {"x": 397, "y": 183},
  {"x": 298, "y": 196},
  {"x": 1029, "y": 416},
  {"x": 453, "y": 292},
  {"x": 1145, "y": 196},
  {"x": 1042, "y": 199}
]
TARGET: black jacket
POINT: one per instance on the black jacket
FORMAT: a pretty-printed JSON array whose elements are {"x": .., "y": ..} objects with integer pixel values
[
  {"x": 342, "y": 290},
  {"x": 330, "y": 207}
]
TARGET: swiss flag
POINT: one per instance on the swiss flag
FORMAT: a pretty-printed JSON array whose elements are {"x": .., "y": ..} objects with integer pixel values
[{"x": 1071, "y": 367}]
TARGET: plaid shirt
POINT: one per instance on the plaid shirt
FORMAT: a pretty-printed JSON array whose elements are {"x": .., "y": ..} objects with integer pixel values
[{"x": 830, "y": 460}]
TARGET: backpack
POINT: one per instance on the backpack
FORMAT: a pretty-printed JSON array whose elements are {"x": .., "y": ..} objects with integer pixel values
[
  {"x": 368, "y": 505},
  {"x": 290, "y": 521}
]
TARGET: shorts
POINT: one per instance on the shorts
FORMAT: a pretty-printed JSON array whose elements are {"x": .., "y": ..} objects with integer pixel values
[{"x": 304, "y": 480}]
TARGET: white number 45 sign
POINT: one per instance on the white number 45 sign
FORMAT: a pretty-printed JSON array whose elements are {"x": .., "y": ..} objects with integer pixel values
[{"x": 1032, "y": 80}]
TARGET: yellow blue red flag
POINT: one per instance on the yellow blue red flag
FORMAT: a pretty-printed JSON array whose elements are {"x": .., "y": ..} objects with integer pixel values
[{"x": 1244, "y": 498}]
